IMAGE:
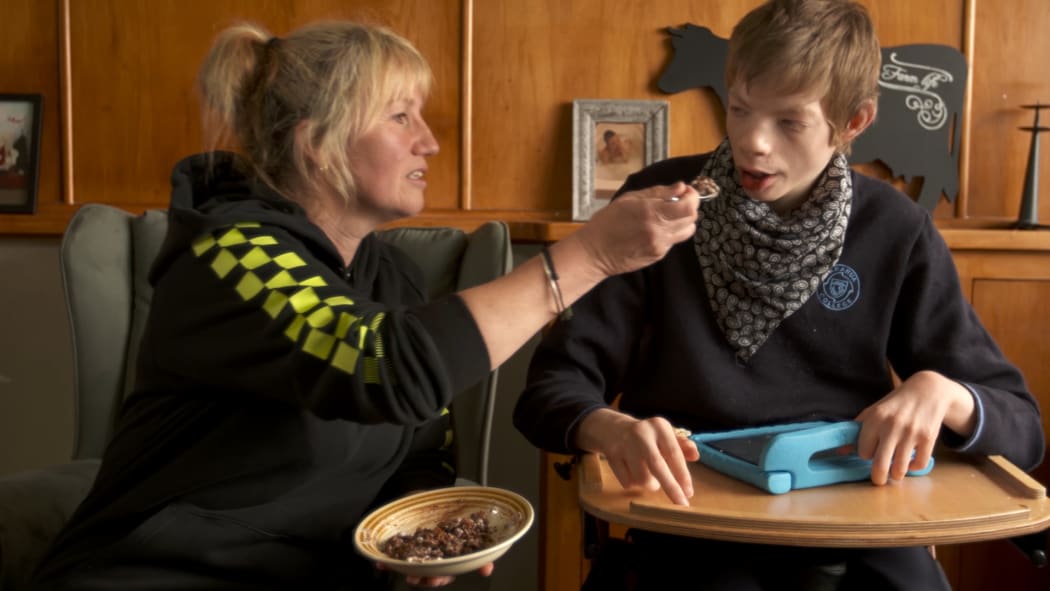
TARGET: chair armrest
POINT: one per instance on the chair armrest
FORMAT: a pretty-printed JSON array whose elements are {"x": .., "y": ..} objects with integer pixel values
[{"x": 34, "y": 505}]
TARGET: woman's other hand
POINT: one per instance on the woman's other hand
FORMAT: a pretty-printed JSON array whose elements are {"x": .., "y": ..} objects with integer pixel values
[{"x": 484, "y": 571}]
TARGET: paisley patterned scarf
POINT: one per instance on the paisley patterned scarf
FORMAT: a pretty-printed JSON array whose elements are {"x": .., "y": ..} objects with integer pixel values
[{"x": 760, "y": 268}]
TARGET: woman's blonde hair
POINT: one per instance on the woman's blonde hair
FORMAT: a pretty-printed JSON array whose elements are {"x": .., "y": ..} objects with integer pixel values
[
  {"x": 329, "y": 82},
  {"x": 823, "y": 46}
]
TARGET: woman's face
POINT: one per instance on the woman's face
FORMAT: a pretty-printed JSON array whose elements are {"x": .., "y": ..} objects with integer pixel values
[{"x": 389, "y": 161}]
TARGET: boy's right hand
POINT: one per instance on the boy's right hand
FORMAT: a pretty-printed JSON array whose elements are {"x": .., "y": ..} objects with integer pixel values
[{"x": 642, "y": 453}]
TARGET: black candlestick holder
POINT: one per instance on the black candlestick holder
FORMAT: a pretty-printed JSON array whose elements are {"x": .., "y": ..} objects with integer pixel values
[{"x": 1029, "y": 216}]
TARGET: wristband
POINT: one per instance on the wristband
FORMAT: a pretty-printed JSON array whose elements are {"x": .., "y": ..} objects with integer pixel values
[{"x": 564, "y": 313}]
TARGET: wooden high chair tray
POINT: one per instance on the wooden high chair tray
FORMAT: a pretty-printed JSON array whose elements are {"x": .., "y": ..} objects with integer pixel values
[{"x": 962, "y": 500}]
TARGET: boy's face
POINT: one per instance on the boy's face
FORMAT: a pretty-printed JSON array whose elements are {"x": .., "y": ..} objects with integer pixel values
[{"x": 781, "y": 143}]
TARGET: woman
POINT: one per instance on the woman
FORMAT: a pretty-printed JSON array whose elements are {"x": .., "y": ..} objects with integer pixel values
[{"x": 291, "y": 376}]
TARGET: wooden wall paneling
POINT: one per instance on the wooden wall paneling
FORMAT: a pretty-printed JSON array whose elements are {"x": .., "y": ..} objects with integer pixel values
[
  {"x": 562, "y": 527},
  {"x": 997, "y": 565},
  {"x": 1014, "y": 310},
  {"x": 969, "y": 32},
  {"x": 1006, "y": 276},
  {"x": 897, "y": 23},
  {"x": 524, "y": 84},
  {"x": 1009, "y": 69},
  {"x": 135, "y": 111},
  {"x": 29, "y": 63},
  {"x": 466, "y": 101},
  {"x": 531, "y": 60}
]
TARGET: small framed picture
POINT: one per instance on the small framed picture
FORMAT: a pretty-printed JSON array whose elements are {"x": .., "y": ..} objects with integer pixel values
[
  {"x": 20, "y": 116},
  {"x": 611, "y": 140}
]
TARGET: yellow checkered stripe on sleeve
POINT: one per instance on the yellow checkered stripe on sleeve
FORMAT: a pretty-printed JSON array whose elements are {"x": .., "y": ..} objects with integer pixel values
[{"x": 263, "y": 272}]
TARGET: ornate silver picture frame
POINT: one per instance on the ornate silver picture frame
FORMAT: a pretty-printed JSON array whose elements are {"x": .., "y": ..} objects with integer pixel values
[{"x": 611, "y": 140}]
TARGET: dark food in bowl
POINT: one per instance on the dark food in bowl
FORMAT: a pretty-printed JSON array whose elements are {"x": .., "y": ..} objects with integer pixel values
[{"x": 449, "y": 538}]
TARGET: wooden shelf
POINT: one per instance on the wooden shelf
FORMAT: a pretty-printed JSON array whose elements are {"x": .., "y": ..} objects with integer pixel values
[
  {"x": 996, "y": 239},
  {"x": 540, "y": 231},
  {"x": 966, "y": 235},
  {"x": 536, "y": 227}
]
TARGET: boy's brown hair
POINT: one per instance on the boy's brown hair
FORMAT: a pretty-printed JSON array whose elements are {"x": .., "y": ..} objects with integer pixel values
[{"x": 825, "y": 46}]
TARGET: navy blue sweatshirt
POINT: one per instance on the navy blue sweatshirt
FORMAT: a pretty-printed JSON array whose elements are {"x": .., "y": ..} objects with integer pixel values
[{"x": 651, "y": 336}]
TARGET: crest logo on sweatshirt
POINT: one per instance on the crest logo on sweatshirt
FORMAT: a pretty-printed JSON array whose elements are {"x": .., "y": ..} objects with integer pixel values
[{"x": 840, "y": 289}]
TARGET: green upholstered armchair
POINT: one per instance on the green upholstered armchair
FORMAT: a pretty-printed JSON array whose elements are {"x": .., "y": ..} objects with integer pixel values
[{"x": 105, "y": 258}]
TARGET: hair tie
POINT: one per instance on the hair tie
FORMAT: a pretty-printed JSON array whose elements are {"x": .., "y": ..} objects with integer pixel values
[{"x": 272, "y": 42}]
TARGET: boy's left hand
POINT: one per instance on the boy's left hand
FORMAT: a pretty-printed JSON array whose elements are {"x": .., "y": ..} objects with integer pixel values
[{"x": 908, "y": 420}]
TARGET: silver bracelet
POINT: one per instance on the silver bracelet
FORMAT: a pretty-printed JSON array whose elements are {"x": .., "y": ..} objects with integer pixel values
[{"x": 564, "y": 312}]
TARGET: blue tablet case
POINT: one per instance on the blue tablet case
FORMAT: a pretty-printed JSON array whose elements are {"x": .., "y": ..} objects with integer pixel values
[{"x": 781, "y": 458}]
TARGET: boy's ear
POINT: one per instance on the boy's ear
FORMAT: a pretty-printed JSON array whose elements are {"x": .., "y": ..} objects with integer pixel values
[{"x": 860, "y": 121}]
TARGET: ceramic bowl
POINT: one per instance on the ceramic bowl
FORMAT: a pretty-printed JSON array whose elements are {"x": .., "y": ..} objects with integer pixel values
[{"x": 508, "y": 514}]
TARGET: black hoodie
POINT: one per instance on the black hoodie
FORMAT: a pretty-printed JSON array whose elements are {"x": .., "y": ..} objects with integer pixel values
[{"x": 279, "y": 395}]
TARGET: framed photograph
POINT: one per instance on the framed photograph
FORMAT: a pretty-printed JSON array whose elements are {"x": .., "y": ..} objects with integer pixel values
[
  {"x": 611, "y": 140},
  {"x": 20, "y": 116}
]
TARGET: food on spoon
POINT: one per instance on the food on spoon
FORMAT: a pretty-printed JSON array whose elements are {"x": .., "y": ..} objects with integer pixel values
[{"x": 706, "y": 186}]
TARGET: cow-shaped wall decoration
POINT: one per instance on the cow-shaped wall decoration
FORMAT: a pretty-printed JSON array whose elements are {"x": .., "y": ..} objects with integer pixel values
[{"x": 916, "y": 132}]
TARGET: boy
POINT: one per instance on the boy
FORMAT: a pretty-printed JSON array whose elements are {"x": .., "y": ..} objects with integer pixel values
[{"x": 803, "y": 281}]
